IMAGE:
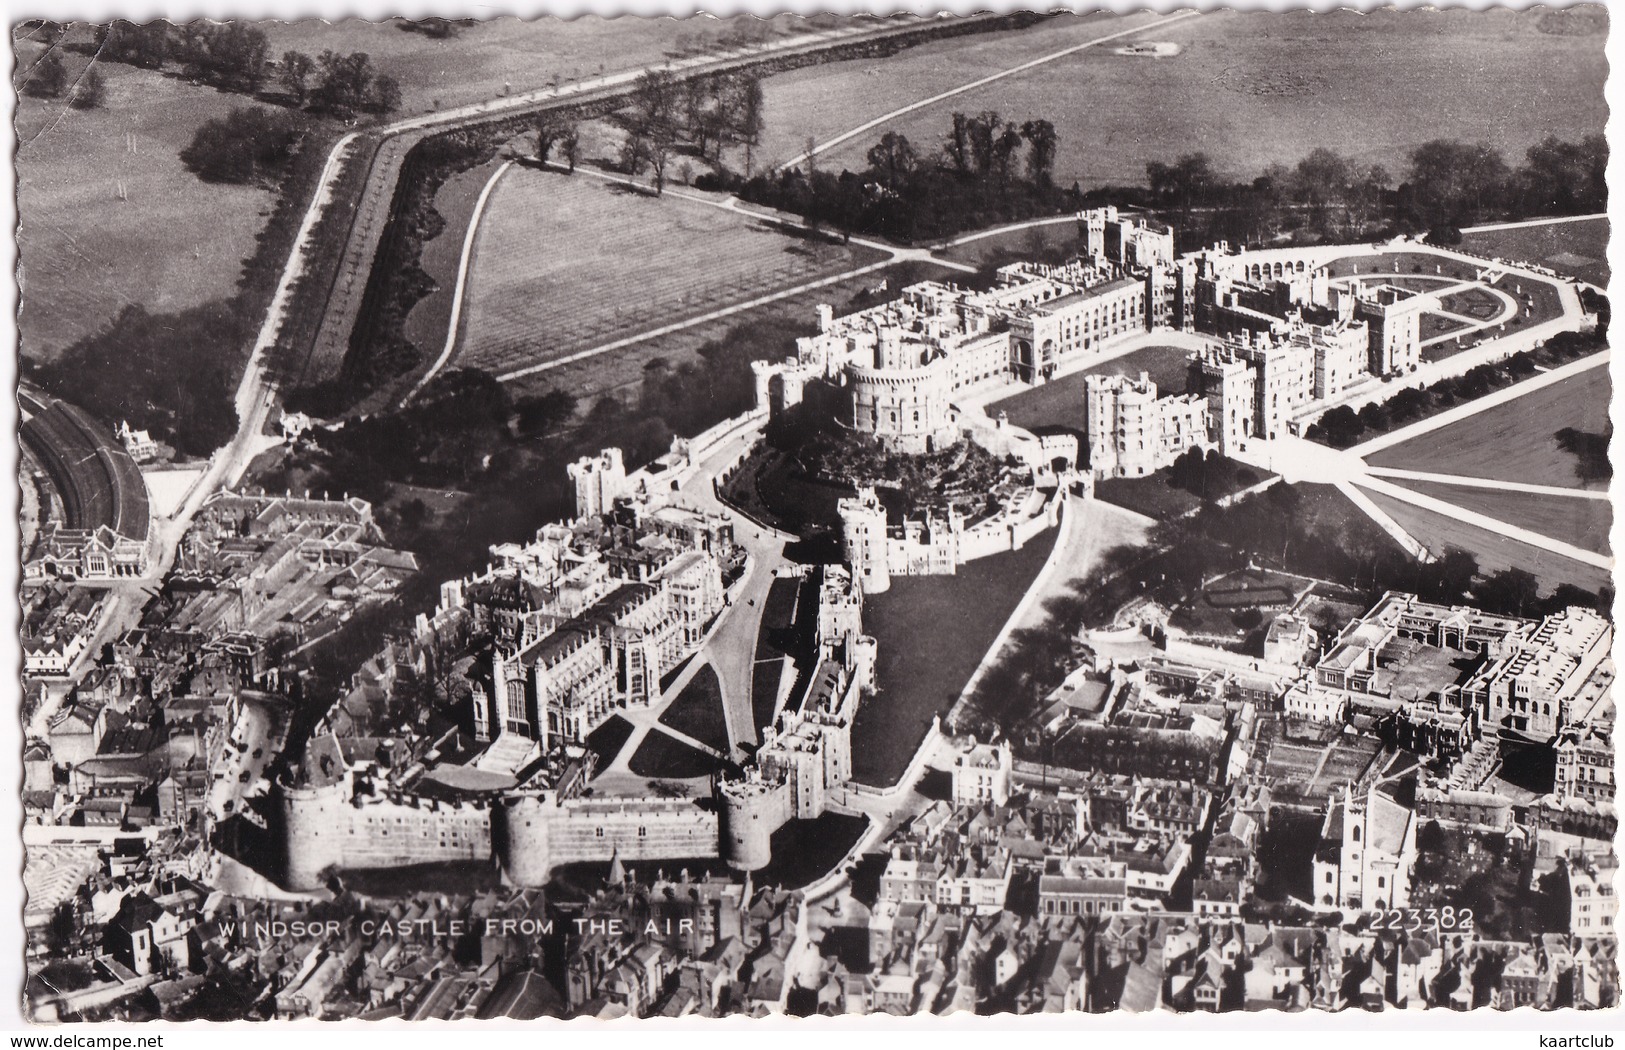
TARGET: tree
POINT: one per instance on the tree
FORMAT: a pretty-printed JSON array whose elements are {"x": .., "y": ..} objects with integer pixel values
[
  {"x": 90, "y": 92},
  {"x": 893, "y": 159},
  {"x": 146, "y": 46},
  {"x": 297, "y": 68},
  {"x": 1452, "y": 183},
  {"x": 983, "y": 130},
  {"x": 957, "y": 147},
  {"x": 570, "y": 145},
  {"x": 1005, "y": 146},
  {"x": 345, "y": 85},
  {"x": 248, "y": 145},
  {"x": 549, "y": 130},
  {"x": 1041, "y": 140},
  {"x": 385, "y": 97},
  {"x": 748, "y": 122},
  {"x": 1321, "y": 181},
  {"x": 48, "y": 78}
]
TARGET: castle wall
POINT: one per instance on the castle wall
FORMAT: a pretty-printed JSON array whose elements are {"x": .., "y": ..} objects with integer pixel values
[{"x": 388, "y": 834}]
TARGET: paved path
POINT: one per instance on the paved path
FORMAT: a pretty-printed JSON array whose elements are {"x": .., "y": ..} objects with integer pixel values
[
  {"x": 461, "y": 287},
  {"x": 1298, "y": 459},
  {"x": 1489, "y": 483},
  {"x": 1484, "y": 521},
  {"x": 1532, "y": 222},
  {"x": 828, "y": 144}
]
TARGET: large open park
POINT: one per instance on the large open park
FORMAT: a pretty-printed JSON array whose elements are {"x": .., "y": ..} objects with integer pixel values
[
  {"x": 109, "y": 217},
  {"x": 1247, "y": 88}
]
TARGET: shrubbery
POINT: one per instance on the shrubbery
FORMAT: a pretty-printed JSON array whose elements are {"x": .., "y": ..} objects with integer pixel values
[
  {"x": 1342, "y": 427},
  {"x": 249, "y": 145}
]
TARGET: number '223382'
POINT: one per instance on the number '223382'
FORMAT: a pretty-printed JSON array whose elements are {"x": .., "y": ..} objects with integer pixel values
[{"x": 1410, "y": 920}]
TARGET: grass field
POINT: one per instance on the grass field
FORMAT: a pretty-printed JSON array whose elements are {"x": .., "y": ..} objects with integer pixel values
[
  {"x": 607, "y": 740},
  {"x": 666, "y": 758},
  {"x": 1059, "y": 403},
  {"x": 1249, "y": 89},
  {"x": 511, "y": 55},
  {"x": 621, "y": 373},
  {"x": 1577, "y": 249},
  {"x": 1582, "y": 522},
  {"x": 1515, "y": 441},
  {"x": 697, "y": 711},
  {"x": 1493, "y": 551},
  {"x": 932, "y": 632},
  {"x": 426, "y": 324},
  {"x": 565, "y": 263},
  {"x": 1016, "y": 244},
  {"x": 85, "y": 253}
]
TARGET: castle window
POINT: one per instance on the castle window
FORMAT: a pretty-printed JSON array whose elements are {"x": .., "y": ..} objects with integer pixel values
[
  {"x": 643, "y": 833},
  {"x": 600, "y": 832}
]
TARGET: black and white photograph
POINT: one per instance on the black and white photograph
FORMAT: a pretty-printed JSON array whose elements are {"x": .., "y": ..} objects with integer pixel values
[{"x": 792, "y": 514}]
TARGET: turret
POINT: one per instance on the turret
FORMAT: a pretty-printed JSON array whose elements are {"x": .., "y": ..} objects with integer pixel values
[
  {"x": 315, "y": 823},
  {"x": 520, "y": 838},
  {"x": 751, "y": 810}
]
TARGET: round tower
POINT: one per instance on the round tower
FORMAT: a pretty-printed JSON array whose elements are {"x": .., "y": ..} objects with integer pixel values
[
  {"x": 748, "y": 808},
  {"x": 863, "y": 540},
  {"x": 519, "y": 838},
  {"x": 315, "y": 822}
]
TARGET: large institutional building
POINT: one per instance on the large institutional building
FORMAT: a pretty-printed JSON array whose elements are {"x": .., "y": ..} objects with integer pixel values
[{"x": 1283, "y": 339}]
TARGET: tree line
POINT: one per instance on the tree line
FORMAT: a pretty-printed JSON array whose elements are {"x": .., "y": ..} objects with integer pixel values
[
  {"x": 985, "y": 170},
  {"x": 1343, "y": 427},
  {"x": 1444, "y": 186},
  {"x": 236, "y": 57}
]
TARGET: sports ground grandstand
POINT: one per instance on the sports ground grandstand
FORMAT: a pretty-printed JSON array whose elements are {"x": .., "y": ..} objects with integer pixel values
[{"x": 94, "y": 478}]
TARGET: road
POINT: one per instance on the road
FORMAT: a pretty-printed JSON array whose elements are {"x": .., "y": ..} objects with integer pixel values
[
  {"x": 1298, "y": 459},
  {"x": 256, "y": 390}
]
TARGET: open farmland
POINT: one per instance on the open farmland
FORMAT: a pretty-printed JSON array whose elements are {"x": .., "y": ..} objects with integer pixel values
[
  {"x": 1581, "y": 521},
  {"x": 487, "y": 59},
  {"x": 1248, "y": 89},
  {"x": 85, "y": 251},
  {"x": 1576, "y": 249},
  {"x": 1516, "y": 441},
  {"x": 1493, "y": 551},
  {"x": 564, "y": 263}
]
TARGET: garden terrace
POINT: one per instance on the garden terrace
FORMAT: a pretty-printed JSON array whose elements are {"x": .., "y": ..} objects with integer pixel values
[{"x": 963, "y": 477}]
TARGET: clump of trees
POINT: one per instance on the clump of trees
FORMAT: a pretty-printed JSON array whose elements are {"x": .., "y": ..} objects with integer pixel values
[
  {"x": 987, "y": 170},
  {"x": 705, "y": 115},
  {"x": 173, "y": 374},
  {"x": 1444, "y": 186},
  {"x": 48, "y": 78},
  {"x": 250, "y": 145}
]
